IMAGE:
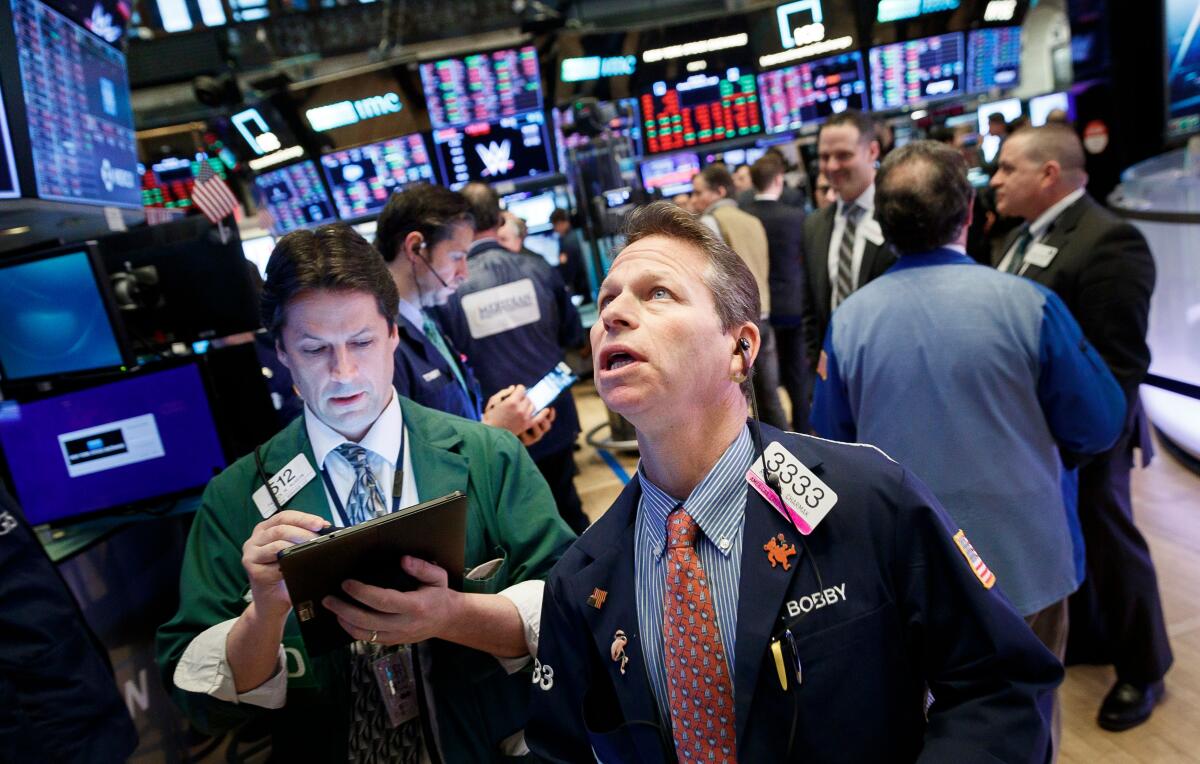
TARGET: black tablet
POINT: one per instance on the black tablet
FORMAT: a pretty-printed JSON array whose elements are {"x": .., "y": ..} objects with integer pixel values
[{"x": 370, "y": 552}]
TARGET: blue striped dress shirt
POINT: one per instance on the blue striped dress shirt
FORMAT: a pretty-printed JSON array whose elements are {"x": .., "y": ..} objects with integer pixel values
[{"x": 718, "y": 506}]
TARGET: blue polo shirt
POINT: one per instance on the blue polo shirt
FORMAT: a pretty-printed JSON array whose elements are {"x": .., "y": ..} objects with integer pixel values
[{"x": 974, "y": 379}]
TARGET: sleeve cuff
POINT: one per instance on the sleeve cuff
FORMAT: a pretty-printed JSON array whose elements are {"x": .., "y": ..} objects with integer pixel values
[
  {"x": 204, "y": 668},
  {"x": 527, "y": 597}
]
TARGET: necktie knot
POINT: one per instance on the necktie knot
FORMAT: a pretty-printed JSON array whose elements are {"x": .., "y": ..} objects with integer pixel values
[
  {"x": 682, "y": 529},
  {"x": 851, "y": 212},
  {"x": 355, "y": 454}
]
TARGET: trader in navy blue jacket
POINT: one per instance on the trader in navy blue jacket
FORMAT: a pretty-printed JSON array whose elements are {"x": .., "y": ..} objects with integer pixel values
[
  {"x": 971, "y": 356},
  {"x": 514, "y": 317},
  {"x": 695, "y": 621},
  {"x": 423, "y": 234}
]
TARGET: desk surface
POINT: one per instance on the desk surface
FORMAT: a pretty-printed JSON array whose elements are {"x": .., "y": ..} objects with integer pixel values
[{"x": 67, "y": 541}]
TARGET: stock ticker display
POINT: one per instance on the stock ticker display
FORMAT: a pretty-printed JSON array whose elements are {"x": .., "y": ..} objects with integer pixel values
[
  {"x": 512, "y": 148},
  {"x": 78, "y": 109},
  {"x": 993, "y": 58},
  {"x": 702, "y": 109},
  {"x": 362, "y": 178},
  {"x": 482, "y": 87},
  {"x": 294, "y": 197},
  {"x": 812, "y": 91},
  {"x": 906, "y": 73}
]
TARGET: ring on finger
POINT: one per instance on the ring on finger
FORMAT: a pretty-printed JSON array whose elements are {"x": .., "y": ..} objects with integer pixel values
[{"x": 374, "y": 636}]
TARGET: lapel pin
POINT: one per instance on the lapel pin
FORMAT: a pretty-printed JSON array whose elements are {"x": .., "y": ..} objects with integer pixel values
[
  {"x": 778, "y": 551},
  {"x": 617, "y": 650},
  {"x": 597, "y": 598}
]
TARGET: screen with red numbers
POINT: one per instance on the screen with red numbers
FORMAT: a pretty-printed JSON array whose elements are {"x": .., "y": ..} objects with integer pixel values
[{"x": 705, "y": 108}]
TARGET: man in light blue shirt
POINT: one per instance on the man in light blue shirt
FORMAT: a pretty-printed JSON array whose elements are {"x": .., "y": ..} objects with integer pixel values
[{"x": 975, "y": 380}]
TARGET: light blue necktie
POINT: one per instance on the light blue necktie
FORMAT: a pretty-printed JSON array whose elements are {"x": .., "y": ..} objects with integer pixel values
[{"x": 366, "y": 498}]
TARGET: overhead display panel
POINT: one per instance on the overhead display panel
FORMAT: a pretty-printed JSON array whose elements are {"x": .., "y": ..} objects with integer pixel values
[
  {"x": 810, "y": 92},
  {"x": 77, "y": 108},
  {"x": 364, "y": 177},
  {"x": 294, "y": 197},
  {"x": 107, "y": 19},
  {"x": 993, "y": 58},
  {"x": 1183, "y": 67},
  {"x": 703, "y": 108},
  {"x": 10, "y": 186},
  {"x": 671, "y": 174},
  {"x": 802, "y": 30},
  {"x": 898, "y": 10},
  {"x": 363, "y": 106},
  {"x": 482, "y": 87},
  {"x": 912, "y": 72},
  {"x": 602, "y": 66},
  {"x": 511, "y": 149}
]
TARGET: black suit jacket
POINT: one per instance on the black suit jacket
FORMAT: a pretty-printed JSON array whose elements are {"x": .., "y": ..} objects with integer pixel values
[
  {"x": 818, "y": 230},
  {"x": 785, "y": 241},
  {"x": 1105, "y": 274}
]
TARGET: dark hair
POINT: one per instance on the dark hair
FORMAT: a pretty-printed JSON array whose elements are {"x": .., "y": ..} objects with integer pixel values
[
  {"x": 330, "y": 257},
  {"x": 560, "y": 216},
  {"x": 734, "y": 290},
  {"x": 997, "y": 117},
  {"x": 433, "y": 211},
  {"x": 867, "y": 130},
  {"x": 922, "y": 196},
  {"x": 764, "y": 172},
  {"x": 484, "y": 205},
  {"x": 718, "y": 176}
]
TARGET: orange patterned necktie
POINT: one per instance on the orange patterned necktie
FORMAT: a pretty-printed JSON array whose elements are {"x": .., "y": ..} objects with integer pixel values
[{"x": 699, "y": 688}]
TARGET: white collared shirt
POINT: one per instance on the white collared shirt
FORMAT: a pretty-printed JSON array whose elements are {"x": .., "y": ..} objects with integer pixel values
[
  {"x": 382, "y": 443},
  {"x": 413, "y": 314},
  {"x": 1041, "y": 226},
  {"x": 866, "y": 200}
]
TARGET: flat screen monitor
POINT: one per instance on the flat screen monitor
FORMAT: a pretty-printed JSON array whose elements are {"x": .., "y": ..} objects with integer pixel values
[
  {"x": 671, "y": 174},
  {"x": 294, "y": 197},
  {"x": 362, "y": 178},
  {"x": 258, "y": 250},
  {"x": 512, "y": 149},
  {"x": 107, "y": 19},
  {"x": 78, "y": 110},
  {"x": 1010, "y": 108},
  {"x": 534, "y": 208},
  {"x": 482, "y": 87},
  {"x": 58, "y": 315},
  {"x": 145, "y": 436},
  {"x": 10, "y": 185},
  {"x": 810, "y": 92},
  {"x": 1041, "y": 106},
  {"x": 704, "y": 108},
  {"x": 993, "y": 59},
  {"x": 1183, "y": 67},
  {"x": 544, "y": 244},
  {"x": 907, "y": 73},
  {"x": 170, "y": 180},
  {"x": 626, "y": 122}
]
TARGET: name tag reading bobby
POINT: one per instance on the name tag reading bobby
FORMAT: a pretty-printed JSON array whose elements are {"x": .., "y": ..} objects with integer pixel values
[
  {"x": 806, "y": 498},
  {"x": 285, "y": 484},
  {"x": 1040, "y": 255}
]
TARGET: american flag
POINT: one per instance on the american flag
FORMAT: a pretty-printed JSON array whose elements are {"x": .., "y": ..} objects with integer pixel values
[{"x": 212, "y": 196}]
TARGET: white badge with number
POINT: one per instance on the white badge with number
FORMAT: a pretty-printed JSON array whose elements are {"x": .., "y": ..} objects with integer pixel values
[
  {"x": 1039, "y": 255},
  {"x": 871, "y": 231},
  {"x": 806, "y": 498},
  {"x": 287, "y": 483}
]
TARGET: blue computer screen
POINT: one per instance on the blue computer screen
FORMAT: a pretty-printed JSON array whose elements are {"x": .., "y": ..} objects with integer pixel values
[
  {"x": 914, "y": 71},
  {"x": 993, "y": 58},
  {"x": 144, "y": 436},
  {"x": 54, "y": 318}
]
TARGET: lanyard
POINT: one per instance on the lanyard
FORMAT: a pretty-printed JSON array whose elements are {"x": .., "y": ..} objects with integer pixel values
[{"x": 397, "y": 484}]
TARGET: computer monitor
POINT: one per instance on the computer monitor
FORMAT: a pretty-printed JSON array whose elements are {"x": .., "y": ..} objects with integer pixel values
[
  {"x": 704, "y": 108},
  {"x": 58, "y": 314},
  {"x": 1010, "y": 109},
  {"x": 513, "y": 149},
  {"x": 10, "y": 185},
  {"x": 78, "y": 110},
  {"x": 627, "y": 122},
  {"x": 915, "y": 71},
  {"x": 294, "y": 197},
  {"x": 1182, "y": 18},
  {"x": 546, "y": 245},
  {"x": 810, "y": 92},
  {"x": 1041, "y": 106},
  {"x": 670, "y": 175},
  {"x": 482, "y": 87},
  {"x": 534, "y": 208},
  {"x": 145, "y": 436},
  {"x": 993, "y": 58},
  {"x": 362, "y": 178},
  {"x": 258, "y": 250}
]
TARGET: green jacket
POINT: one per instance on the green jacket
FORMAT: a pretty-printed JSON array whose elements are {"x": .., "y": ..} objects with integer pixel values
[{"x": 511, "y": 514}]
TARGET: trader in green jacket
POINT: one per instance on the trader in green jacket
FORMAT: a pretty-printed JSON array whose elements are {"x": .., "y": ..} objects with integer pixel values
[{"x": 434, "y": 673}]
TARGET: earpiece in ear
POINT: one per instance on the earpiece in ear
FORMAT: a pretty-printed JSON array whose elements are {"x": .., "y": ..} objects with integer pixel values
[{"x": 744, "y": 344}]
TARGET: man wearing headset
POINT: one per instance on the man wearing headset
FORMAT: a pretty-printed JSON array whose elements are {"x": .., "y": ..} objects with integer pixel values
[
  {"x": 424, "y": 233},
  {"x": 694, "y": 622},
  {"x": 234, "y": 653}
]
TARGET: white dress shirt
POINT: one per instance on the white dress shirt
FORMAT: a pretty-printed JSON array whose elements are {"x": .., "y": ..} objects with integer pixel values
[
  {"x": 1041, "y": 226},
  {"x": 413, "y": 314},
  {"x": 865, "y": 200},
  {"x": 205, "y": 667}
]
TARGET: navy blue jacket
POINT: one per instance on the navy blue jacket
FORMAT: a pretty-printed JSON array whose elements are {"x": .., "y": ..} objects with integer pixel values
[
  {"x": 423, "y": 375},
  {"x": 887, "y": 605},
  {"x": 784, "y": 225},
  {"x": 528, "y": 339}
]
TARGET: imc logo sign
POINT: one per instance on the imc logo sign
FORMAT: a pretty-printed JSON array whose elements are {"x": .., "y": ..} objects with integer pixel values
[{"x": 344, "y": 113}]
